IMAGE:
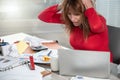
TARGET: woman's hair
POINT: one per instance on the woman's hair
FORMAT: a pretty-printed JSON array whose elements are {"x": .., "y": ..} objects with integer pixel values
[{"x": 78, "y": 7}]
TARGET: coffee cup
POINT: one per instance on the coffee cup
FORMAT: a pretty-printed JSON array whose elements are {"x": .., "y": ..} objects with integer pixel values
[{"x": 54, "y": 63}]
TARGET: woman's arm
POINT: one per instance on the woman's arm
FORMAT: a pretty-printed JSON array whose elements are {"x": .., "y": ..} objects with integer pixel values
[
  {"x": 97, "y": 22},
  {"x": 50, "y": 15}
]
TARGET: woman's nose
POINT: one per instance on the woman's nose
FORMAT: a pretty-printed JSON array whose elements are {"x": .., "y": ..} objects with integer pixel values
[{"x": 73, "y": 18}]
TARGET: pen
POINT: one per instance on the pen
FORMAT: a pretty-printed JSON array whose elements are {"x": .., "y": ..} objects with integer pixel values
[{"x": 49, "y": 53}]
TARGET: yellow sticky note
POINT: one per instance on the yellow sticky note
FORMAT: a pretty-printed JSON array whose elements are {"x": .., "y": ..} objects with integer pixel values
[{"x": 21, "y": 46}]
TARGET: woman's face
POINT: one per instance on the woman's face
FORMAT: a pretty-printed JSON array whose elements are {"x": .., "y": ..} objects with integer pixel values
[{"x": 75, "y": 17}]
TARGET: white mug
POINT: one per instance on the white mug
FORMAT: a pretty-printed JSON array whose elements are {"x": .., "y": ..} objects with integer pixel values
[{"x": 54, "y": 63}]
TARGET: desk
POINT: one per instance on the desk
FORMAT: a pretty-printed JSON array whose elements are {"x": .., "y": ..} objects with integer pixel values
[{"x": 54, "y": 75}]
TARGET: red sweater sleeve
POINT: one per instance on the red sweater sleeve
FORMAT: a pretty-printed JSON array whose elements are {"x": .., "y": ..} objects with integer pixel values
[
  {"x": 50, "y": 15},
  {"x": 97, "y": 22}
]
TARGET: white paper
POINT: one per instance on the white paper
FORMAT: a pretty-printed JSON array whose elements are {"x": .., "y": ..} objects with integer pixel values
[
  {"x": 7, "y": 61},
  {"x": 10, "y": 50},
  {"x": 14, "y": 37},
  {"x": 39, "y": 55},
  {"x": 22, "y": 73},
  {"x": 35, "y": 41}
]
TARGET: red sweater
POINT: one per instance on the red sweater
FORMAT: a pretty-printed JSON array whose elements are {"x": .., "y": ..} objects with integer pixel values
[{"x": 98, "y": 37}]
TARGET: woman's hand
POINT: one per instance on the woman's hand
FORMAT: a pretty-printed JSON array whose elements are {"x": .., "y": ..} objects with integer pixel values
[
  {"x": 88, "y": 3},
  {"x": 60, "y": 5}
]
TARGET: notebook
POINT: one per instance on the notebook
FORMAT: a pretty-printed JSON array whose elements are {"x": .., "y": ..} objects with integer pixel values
[
  {"x": 8, "y": 62},
  {"x": 86, "y": 63},
  {"x": 22, "y": 73}
]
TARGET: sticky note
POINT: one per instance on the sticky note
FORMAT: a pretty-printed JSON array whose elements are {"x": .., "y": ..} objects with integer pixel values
[{"x": 21, "y": 46}]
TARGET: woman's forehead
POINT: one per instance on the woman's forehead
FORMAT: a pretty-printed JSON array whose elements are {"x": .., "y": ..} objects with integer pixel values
[{"x": 73, "y": 10}]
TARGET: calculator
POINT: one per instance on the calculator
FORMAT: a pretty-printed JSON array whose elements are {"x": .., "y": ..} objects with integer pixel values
[{"x": 39, "y": 48}]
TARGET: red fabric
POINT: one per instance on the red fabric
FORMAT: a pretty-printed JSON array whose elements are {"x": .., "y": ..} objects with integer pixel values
[{"x": 98, "y": 37}]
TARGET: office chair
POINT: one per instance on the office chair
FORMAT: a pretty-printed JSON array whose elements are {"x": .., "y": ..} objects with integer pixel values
[{"x": 114, "y": 43}]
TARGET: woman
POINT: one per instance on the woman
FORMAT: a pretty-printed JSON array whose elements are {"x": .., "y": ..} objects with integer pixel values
[{"x": 87, "y": 28}]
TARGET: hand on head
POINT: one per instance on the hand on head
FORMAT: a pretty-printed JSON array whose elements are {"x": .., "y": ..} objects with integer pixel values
[
  {"x": 60, "y": 5},
  {"x": 88, "y": 3}
]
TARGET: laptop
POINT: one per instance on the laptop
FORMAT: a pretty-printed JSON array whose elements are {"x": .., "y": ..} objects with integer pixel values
[{"x": 85, "y": 63}]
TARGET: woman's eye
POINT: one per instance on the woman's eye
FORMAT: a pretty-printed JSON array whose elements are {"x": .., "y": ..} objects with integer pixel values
[{"x": 77, "y": 14}]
